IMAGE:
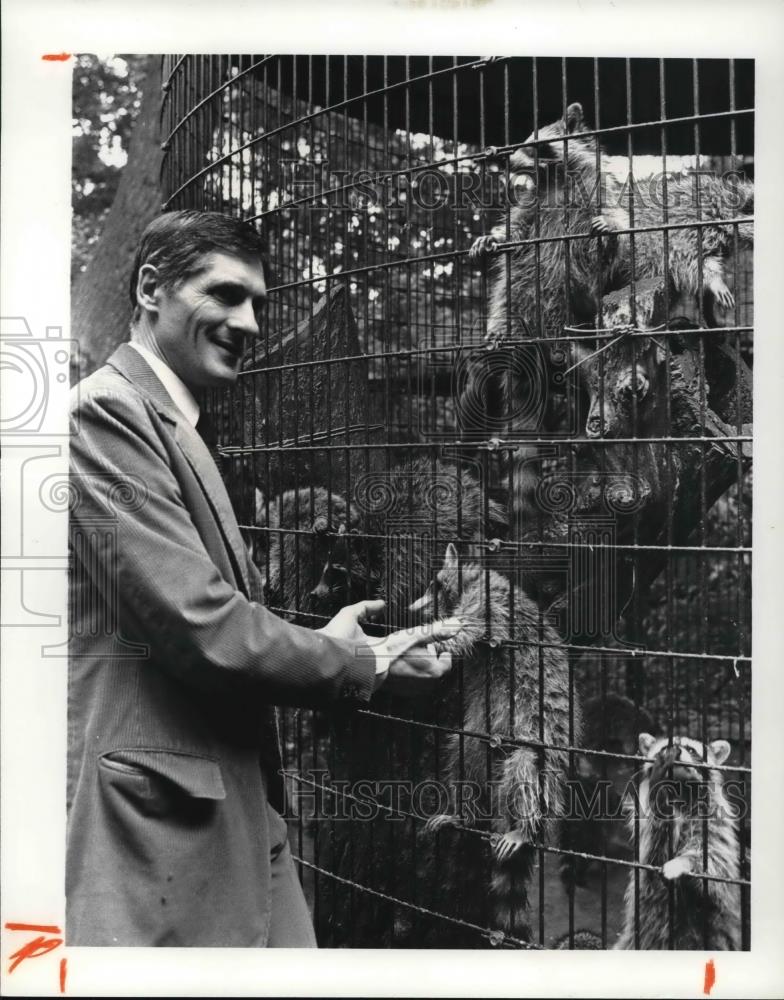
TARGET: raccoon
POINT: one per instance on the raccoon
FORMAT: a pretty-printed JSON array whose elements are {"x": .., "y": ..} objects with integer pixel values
[
  {"x": 425, "y": 505},
  {"x": 305, "y": 561},
  {"x": 582, "y": 940},
  {"x": 539, "y": 287},
  {"x": 564, "y": 203},
  {"x": 398, "y": 520},
  {"x": 501, "y": 695},
  {"x": 407, "y": 515},
  {"x": 712, "y": 244},
  {"x": 531, "y": 300},
  {"x": 672, "y": 830}
]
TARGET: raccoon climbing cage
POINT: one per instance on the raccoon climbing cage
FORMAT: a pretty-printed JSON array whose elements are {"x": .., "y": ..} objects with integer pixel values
[{"x": 569, "y": 404}]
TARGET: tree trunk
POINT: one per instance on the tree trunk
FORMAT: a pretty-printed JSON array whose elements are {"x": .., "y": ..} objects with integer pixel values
[{"x": 100, "y": 306}]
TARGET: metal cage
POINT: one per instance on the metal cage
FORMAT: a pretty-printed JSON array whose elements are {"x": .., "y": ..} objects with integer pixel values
[{"x": 569, "y": 404}]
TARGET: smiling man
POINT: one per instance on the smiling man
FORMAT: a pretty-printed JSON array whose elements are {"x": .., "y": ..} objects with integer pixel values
[{"x": 174, "y": 789}]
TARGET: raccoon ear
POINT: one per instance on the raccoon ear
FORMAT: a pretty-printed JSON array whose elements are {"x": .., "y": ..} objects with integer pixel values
[
  {"x": 645, "y": 741},
  {"x": 450, "y": 557},
  {"x": 720, "y": 750},
  {"x": 574, "y": 117}
]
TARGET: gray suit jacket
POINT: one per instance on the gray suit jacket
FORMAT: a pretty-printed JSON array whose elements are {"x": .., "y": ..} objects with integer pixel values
[{"x": 174, "y": 666}]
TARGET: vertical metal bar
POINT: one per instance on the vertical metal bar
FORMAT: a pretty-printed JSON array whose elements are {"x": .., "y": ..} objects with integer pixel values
[
  {"x": 701, "y": 568},
  {"x": 670, "y": 681},
  {"x": 633, "y": 311},
  {"x": 568, "y": 316},
  {"x": 600, "y": 201}
]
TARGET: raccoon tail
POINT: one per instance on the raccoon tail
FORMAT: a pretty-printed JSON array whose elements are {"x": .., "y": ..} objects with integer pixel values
[
  {"x": 509, "y": 888},
  {"x": 583, "y": 940},
  {"x": 523, "y": 809}
]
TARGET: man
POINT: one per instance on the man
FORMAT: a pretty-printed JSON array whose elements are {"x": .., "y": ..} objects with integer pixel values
[{"x": 174, "y": 791}]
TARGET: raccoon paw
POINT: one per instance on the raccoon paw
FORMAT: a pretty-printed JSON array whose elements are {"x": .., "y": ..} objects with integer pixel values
[
  {"x": 481, "y": 248},
  {"x": 676, "y": 867},
  {"x": 600, "y": 226},
  {"x": 435, "y": 823},
  {"x": 722, "y": 295},
  {"x": 508, "y": 844}
]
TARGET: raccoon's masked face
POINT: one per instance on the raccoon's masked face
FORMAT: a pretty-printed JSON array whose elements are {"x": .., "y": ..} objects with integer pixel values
[
  {"x": 537, "y": 148},
  {"x": 443, "y": 594},
  {"x": 434, "y": 600},
  {"x": 332, "y": 590},
  {"x": 674, "y": 762}
]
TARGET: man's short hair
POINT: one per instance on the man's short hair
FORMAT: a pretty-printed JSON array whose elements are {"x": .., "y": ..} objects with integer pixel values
[{"x": 176, "y": 243}]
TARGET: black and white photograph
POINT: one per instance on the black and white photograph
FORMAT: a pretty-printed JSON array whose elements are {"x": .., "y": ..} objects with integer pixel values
[{"x": 397, "y": 435}]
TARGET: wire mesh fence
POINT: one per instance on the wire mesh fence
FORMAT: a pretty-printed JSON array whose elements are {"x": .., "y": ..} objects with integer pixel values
[{"x": 505, "y": 371}]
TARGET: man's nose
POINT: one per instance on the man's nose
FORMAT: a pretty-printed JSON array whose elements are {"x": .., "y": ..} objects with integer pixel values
[{"x": 243, "y": 319}]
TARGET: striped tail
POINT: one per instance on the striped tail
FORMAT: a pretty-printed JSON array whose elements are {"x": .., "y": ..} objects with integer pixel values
[
  {"x": 509, "y": 887},
  {"x": 531, "y": 804}
]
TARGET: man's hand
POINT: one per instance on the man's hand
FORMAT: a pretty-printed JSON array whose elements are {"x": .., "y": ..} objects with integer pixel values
[
  {"x": 407, "y": 660},
  {"x": 402, "y": 663},
  {"x": 345, "y": 624}
]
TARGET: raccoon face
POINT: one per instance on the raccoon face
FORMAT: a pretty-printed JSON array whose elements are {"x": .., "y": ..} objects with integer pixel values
[
  {"x": 525, "y": 158},
  {"x": 444, "y": 592},
  {"x": 679, "y": 756},
  {"x": 298, "y": 543},
  {"x": 439, "y": 598},
  {"x": 332, "y": 590},
  {"x": 620, "y": 386}
]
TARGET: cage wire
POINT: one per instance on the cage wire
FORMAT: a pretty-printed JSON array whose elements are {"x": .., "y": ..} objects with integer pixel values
[{"x": 568, "y": 405}]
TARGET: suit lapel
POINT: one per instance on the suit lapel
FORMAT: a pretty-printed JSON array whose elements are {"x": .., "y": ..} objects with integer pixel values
[{"x": 132, "y": 365}]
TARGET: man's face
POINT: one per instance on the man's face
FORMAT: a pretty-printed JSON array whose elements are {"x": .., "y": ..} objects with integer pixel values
[{"x": 204, "y": 325}]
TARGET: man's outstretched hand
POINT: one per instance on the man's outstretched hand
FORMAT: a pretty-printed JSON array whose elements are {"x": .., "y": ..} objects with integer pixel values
[{"x": 404, "y": 659}]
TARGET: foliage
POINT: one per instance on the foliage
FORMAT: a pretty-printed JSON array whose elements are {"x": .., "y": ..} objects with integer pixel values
[{"x": 107, "y": 96}]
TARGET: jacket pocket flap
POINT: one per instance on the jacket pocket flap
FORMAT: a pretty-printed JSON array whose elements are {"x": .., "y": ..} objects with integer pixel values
[{"x": 199, "y": 777}]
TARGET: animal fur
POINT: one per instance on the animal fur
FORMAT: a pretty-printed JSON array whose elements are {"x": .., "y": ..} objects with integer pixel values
[
  {"x": 672, "y": 841},
  {"x": 538, "y": 288},
  {"x": 501, "y": 695},
  {"x": 304, "y": 538},
  {"x": 398, "y": 522},
  {"x": 424, "y": 504},
  {"x": 541, "y": 291}
]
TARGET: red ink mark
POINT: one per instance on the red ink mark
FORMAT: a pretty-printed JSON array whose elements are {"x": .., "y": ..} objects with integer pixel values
[
  {"x": 33, "y": 949},
  {"x": 710, "y": 977},
  {"x": 45, "y": 928},
  {"x": 37, "y": 946},
  {"x": 56, "y": 56}
]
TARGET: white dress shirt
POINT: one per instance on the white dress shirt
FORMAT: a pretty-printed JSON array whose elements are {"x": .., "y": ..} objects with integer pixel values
[{"x": 181, "y": 395}]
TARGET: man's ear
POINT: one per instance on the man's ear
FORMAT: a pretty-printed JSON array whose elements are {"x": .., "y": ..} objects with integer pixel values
[{"x": 148, "y": 288}]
